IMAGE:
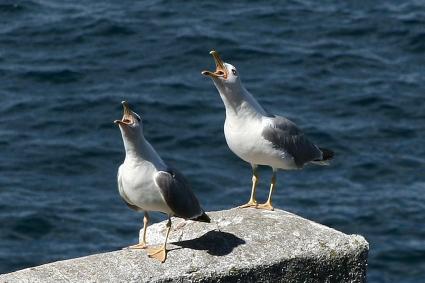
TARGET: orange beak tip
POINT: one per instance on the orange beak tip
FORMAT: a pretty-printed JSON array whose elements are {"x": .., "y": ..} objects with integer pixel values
[{"x": 207, "y": 73}]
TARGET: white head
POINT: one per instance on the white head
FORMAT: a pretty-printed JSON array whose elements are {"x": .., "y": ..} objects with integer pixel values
[
  {"x": 131, "y": 128},
  {"x": 228, "y": 83},
  {"x": 226, "y": 78}
]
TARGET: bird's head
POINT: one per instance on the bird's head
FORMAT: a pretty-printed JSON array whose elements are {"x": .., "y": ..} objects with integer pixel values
[
  {"x": 225, "y": 74},
  {"x": 131, "y": 123}
]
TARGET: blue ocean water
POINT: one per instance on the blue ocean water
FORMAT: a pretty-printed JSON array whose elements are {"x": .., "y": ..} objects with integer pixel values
[{"x": 350, "y": 73}]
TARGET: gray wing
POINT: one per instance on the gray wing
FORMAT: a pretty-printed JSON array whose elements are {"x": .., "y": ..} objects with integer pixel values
[
  {"x": 178, "y": 194},
  {"x": 286, "y": 136},
  {"x": 122, "y": 193}
]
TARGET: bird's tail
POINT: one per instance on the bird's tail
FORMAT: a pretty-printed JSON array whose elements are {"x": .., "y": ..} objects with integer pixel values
[
  {"x": 202, "y": 218},
  {"x": 327, "y": 155}
]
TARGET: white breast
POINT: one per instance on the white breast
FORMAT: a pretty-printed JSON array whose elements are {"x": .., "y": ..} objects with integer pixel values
[
  {"x": 136, "y": 182},
  {"x": 244, "y": 138}
]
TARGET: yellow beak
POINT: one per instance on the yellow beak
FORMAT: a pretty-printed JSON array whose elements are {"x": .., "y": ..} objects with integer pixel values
[
  {"x": 127, "y": 118},
  {"x": 220, "y": 70}
]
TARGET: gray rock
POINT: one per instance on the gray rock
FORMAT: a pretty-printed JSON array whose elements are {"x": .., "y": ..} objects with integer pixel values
[{"x": 239, "y": 245}]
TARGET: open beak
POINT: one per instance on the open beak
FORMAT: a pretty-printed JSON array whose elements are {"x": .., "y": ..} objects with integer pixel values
[
  {"x": 127, "y": 118},
  {"x": 220, "y": 70}
]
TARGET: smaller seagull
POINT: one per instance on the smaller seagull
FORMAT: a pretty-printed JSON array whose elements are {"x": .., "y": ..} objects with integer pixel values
[
  {"x": 258, "y": 137},
  {"x": 146, "y": 183}
]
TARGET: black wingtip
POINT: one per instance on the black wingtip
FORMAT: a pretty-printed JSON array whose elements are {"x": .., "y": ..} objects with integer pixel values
[
  {"x": 203, "y": 218},
  {"x": 327, "y": 154}
]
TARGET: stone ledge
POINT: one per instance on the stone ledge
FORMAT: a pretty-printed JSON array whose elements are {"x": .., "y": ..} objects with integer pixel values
[{"x": 239, "y": 245}]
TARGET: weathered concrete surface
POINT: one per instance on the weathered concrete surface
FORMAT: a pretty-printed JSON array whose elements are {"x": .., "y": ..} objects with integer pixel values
[{"x": 240, "y": 245}]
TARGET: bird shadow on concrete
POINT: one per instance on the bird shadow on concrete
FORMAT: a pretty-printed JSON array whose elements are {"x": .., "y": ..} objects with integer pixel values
[{"x": 215, "y": 242}]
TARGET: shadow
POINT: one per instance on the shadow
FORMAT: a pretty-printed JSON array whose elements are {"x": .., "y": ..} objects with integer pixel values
[{"x": 214, "y": 242}]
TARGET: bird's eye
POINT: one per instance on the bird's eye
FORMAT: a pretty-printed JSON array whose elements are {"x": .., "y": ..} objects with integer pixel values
[{"x": 234, "y": 72}]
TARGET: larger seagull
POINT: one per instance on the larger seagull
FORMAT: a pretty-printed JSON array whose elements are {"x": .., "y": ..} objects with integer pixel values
[
  {"x": 258, "y": 137},
  {"x": 146, "y": 183}
]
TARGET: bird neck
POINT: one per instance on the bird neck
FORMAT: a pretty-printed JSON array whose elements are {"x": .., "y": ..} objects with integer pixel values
[
  {"x": 138, "y": 150},
  {"x": 238, "y": 101}
]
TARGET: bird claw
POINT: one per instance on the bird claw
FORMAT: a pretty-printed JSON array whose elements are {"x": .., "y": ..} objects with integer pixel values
[
  {"x": 139, "y": 246},
  {"x": 265, "y": 206},
  {"x": 158, "y": 254},
  {"x": 249, "y": 204}
]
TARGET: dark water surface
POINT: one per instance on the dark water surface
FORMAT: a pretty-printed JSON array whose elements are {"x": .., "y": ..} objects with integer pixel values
[{"x": 350, "y": 73}]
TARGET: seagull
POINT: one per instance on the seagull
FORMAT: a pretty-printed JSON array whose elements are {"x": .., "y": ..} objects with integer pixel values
[
  {"x": 147, "y": 183},
  {"x": 259, "y": 137}
]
